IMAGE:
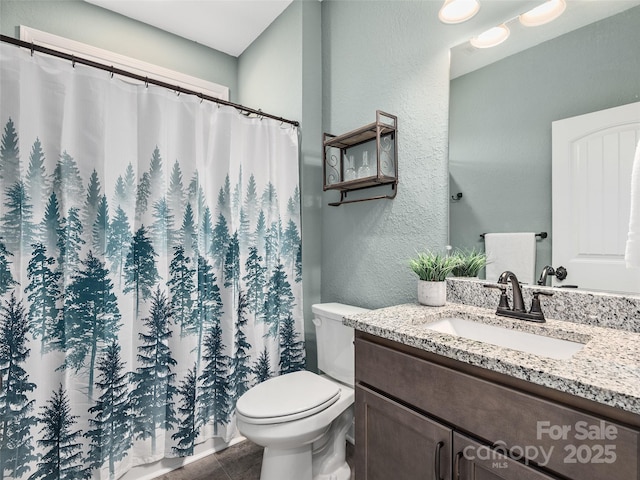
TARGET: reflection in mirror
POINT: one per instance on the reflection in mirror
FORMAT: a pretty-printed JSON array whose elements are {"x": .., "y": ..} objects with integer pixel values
[{"x": 500, "y": 125}]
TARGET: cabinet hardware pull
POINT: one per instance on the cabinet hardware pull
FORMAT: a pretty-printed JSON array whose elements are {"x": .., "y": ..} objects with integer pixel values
[
  {"x": 436, "y": 462},
  {"x": 456, "y": 466}
]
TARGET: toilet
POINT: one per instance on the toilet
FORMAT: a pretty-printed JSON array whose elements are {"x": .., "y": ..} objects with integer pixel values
[{"x": 302, "y": 419}]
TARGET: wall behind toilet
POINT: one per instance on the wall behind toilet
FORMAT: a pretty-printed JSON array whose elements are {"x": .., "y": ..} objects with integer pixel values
[{"x": 392, "y": 56}]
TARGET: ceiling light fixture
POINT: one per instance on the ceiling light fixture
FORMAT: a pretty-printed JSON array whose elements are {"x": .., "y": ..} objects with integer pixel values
[
  {"x": 545, "y": 13},
  {"x": 458, "y": 11},
  {"x": 492, "y": 37}
]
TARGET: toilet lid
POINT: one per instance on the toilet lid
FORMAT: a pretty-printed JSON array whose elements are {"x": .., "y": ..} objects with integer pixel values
[{"x": 287, "y": 397}]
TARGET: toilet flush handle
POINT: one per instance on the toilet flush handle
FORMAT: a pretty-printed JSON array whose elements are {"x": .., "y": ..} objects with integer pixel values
[{"x": 316, "y": 321}]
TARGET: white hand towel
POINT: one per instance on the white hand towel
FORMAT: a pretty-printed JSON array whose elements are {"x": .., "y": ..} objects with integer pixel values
[
  {"x": 511, "y": 251},
  {"x": 632, "y": 252}
]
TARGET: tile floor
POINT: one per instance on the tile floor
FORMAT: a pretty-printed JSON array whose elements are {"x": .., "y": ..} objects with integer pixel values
[{"x": 239, "y": 462}]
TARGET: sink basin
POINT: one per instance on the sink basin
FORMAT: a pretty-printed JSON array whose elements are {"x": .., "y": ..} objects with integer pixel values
[{"x": 504, "y": 337}]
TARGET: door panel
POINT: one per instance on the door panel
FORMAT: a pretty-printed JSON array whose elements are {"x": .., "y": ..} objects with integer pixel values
[
  {"x": 395, "y": 442},
  {"x": 591, "y": 176}
]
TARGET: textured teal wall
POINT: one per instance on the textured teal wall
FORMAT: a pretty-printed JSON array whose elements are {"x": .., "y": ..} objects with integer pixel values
[
  {"x": 281, "y": 73},
  {"x": 102, "y": 28},
  {"x": 500, "y": 132},
  {"x": 392, "y": 56},
  {"x": 270, "y": 69}
]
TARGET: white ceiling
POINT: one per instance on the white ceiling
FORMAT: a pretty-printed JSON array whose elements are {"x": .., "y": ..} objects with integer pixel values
[{"x": 229, "y": 26}]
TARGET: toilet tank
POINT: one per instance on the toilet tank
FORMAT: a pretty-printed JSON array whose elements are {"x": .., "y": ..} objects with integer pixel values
[{"x": 335, "y": 340}]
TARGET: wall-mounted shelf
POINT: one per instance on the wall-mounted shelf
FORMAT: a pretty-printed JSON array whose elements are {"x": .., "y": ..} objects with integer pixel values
[{"x": 363, "y": 158}]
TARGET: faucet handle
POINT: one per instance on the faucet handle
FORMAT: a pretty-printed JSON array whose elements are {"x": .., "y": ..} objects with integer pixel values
[
  {"x": 504, "y": 300},
  {"x": 535, "y": 301},
  {"x": 542, "y": 292},
  {"x": 561, "y": 273}
]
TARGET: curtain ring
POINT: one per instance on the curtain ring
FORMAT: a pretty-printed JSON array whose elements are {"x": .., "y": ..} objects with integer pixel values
[
  {"x": 146, "y": 82},
  {"x": 201, "y": 98},
  {"x": 73, "y": 61},
  {"x": 111, "y": 71},
  {"x": 32, "y": 48}
]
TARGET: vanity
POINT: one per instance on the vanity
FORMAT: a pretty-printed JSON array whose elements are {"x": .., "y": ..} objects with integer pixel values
[{"x": 438, "y": 405}]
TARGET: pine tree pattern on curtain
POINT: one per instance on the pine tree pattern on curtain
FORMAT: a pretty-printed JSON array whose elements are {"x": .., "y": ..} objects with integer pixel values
[{"x": 150, "y": 269}]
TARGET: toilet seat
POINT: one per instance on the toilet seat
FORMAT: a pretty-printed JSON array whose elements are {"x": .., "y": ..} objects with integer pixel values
[{"x": 286, "y": 398}]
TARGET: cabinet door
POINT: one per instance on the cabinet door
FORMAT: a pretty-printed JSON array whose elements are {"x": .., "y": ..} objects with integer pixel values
[
  {"x": 476, "y": 461},
  {"x": 395, "y": 442},
  {"x": 588, "y": 447}
]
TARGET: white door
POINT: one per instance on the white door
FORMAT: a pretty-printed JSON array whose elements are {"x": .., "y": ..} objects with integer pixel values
[{"x": 591, "y": 184}]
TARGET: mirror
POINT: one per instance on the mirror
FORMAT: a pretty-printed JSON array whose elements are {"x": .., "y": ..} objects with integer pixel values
[{"x": 500, "y": 123}]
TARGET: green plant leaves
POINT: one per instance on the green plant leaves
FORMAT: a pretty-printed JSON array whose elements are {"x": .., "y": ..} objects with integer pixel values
[{"x": 433, "y": 267}]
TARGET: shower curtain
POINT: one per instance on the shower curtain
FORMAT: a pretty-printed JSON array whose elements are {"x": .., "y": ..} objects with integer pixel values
[{"x": 150, "y": 268}]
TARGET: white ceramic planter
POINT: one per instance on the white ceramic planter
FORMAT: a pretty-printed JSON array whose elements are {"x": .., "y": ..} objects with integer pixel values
[{"x": 433, "y": 294}]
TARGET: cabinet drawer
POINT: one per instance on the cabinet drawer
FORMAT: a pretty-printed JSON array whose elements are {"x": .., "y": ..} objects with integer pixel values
[{"x": 551, "y": 435}]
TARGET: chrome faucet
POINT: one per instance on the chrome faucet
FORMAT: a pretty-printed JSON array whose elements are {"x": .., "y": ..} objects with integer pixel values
[{"x": 518, "y": 311}]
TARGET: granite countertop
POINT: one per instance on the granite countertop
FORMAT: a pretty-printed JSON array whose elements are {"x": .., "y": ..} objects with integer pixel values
[{"x": 606, "y": 370}]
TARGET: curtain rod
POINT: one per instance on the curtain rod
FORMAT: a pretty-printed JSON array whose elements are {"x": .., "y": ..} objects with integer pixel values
[{"x": 124, "y": 73}]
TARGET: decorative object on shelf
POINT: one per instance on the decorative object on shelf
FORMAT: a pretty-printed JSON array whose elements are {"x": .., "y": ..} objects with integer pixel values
[
  {"x": 364, "y": 170},
  {"x": 387, "y": 165},
  {"x": 377, "y": 146},
  {"x": 350, "y": 172},
  {"x": 432, "y": 270},
  {"x": 333, "y": 175},
  {"x": 471, "y": 262}
]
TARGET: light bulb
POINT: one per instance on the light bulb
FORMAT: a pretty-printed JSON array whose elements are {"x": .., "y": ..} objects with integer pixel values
[
  {"x": 544, "y": 13},
  {"x": 458, "y": 11},
  {"x": 492, "y": 37}
]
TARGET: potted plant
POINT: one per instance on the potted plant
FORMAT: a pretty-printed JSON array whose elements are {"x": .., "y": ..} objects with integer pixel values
[
  {"x": 471, "y": 262},
  {"x": 432, "y": 270}
]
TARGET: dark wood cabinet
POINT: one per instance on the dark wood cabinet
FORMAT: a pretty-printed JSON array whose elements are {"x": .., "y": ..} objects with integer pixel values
[
  {"x": 409, "y": 401},
  {"x": 397, "y": 442},
  {"x": 477, "y": 461}
]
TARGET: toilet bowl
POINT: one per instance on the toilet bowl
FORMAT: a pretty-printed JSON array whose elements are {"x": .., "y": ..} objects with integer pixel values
[
  {"x": 291, "y": 438},
  {"x": 302, "y": 418}
]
